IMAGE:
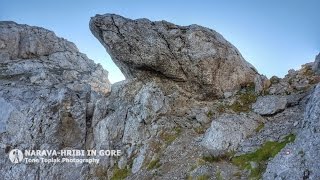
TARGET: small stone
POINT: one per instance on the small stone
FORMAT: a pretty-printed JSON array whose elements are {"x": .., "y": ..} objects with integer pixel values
[{"x": 254, "y": 164}]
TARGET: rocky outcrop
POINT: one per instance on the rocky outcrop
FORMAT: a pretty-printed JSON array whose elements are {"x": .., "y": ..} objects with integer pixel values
[
  {"x": 191, "y": 107},
  {"x": 48, "y": 90},
  {"x": 268, "y": 105},
  {"x": 228, "y": 131},
  {"x": 300, "y": 160},
  {"x": 196, "y": 59}
]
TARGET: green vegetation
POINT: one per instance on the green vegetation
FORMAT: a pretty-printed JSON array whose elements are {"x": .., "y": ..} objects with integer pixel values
[
  {"x": 246, "y": 97},
  {"x": 261, "y": 126},
  {"x": 243, "y": 103},
  {"x": 211, "y": 159},
  {"x": 218, "y": 175},
  {"x": 119, "y": 174},
  {"x": 261, "y": 156},
  {"x": 209, "y": 114},
  {"x": 203, "y": 177},
  {"x": 154, "y": 164}
]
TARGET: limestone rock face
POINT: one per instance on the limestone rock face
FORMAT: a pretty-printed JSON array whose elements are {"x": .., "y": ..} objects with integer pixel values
[
  {"x": 188, "y": 97},
  {"x": 268, "y": 105},
  {"x": 300, "y": 160},
  {"x": 228, "y": 131},
  {"x": 47, "y": 94},
  {"x": 39, "y": 57},
  {"x": 197, "y": 59}
]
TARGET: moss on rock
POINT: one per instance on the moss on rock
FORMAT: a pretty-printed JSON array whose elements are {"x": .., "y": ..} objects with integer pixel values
[{"x": 261, "y": 156}]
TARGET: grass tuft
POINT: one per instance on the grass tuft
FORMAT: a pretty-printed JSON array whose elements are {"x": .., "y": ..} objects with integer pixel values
[
  {"x": 119, "y": 174},
  {"x": 203, "y": 177},
  {"x": 258, "y": 129},
  {"x": 244, "y": 102},
  {"x": 154, "y": 164},
  {"x": 261, "y": 156}
]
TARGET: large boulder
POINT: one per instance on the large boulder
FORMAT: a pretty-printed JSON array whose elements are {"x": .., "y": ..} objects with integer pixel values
[
  {"x": 197, "y": 59},
  {"x": 269, "y": 105},
  {"x": 228, "y": 131}
]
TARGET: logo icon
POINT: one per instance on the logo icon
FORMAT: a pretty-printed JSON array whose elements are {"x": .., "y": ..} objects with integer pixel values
[{"x": 15, "y": 156}]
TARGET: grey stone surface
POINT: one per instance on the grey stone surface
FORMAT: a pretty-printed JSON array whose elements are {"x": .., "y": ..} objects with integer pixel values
[
  {"x": 47, "y": 90},
  {"x": 269, "y": 105},
  {"x": 302, "y": 161},
  {"x": 165, "y": 118},
  {"x": 228, "y": 131},
  {"x": 197, "y": 59}
]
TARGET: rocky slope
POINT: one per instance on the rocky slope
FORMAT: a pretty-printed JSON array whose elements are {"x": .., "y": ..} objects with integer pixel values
[
  {"x": 191, "y": 107},
  {"x": 48, "y": 91}
]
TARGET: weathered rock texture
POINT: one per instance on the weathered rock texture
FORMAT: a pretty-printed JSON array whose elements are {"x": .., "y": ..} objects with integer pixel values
[
  {"x": 268, "y": 105},
  {"x": 316, "y": 66},
  {"x": 47, "y": 93},
  {"x": 228, "y": 131},
  {"x": 186, "y": 111},
  {"x": 300, "y": 160},
  {"x": 197, "y": 59}
]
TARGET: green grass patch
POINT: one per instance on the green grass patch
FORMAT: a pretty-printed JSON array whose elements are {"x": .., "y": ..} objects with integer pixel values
[
  {"x": 218, "y": 175},
  {"x": 203, "y": 177},
  {"x": 224, "y": 157},
  {"x": 261, "y": 156},
  {"x": 258, "y": 129},
  {"x": 244, "y": 102},
  {"x": 210, "y": 114},
  {"x": 154, "y": 164},
  {"x": 119, "y": 174}
]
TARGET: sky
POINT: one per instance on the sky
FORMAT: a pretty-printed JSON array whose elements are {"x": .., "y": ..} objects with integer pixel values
[{"x": 273, "y": 35}]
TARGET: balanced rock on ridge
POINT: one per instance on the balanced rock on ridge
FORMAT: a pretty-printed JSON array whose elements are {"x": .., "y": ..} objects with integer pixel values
[{"x": 196, "y": 58}]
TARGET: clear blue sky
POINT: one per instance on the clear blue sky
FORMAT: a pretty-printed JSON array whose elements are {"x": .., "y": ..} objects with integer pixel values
[{"x": 273, "y": 35}]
